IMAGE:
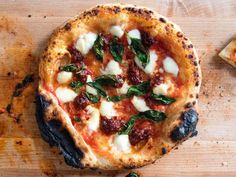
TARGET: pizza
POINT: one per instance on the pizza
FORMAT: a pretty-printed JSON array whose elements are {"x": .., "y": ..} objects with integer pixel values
[
  {"x": 118, "y": 88},
  {"x": 229, "y": 53}
]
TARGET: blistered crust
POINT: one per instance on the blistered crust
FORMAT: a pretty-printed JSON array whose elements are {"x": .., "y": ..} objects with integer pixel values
[{"x": 99, "y": 19}]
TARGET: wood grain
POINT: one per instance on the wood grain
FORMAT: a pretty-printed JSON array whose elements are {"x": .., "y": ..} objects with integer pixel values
[{"x": 24, "y": 29}]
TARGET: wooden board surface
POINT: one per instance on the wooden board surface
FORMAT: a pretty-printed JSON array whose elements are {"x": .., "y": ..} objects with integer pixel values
[{"x": 24, "y": 29}]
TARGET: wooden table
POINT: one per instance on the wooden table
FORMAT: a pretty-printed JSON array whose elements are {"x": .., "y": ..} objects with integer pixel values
[{"x": 24, "y": 29}]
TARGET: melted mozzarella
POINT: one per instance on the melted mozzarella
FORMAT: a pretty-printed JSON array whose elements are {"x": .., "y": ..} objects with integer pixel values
[
  {"x": 64, "y": 77},
  {"x": 121, "y": 143},
  {"x": 133, "y": 34},
  {"x": 160, "y": 89},
  {"x": 65, "y": 94},
  {"x": 150, "y": 67},
  {"x": 107, "y": 110},
  {"x": 93, "y": 122},
  {"x": 124, "y": 88},
  {"x": 85, "y": 42},
  {"x": 117, "y": 31},
  {"x": 89, "y": 89},
  {"x": 140, "y": 104},
  {"x": 170, "y": 66},
  {"x": 112, "y": 67}
]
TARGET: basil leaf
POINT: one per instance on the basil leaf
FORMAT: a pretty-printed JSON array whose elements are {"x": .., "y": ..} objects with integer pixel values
[
  {"x": 163, "y": 99},
  {"x": 69, "y": 68},
  {"x": 139, "y": 89},
  {"x": 132, "y": 174},
  {"x": 153, "y": 115},
  {"x": 129, "y": 125},
  {"x": 140, "y": 51},
  {"x": 98, "y": 87},
  {"x": 116, "y": 98},
  {"x": 92, "y": 98},
  {"x": 116, "y": 49},
  {"x": 98, "y": 47},
  {"x": 107, "y": 79},
  {"x": 75, "y": 85}
]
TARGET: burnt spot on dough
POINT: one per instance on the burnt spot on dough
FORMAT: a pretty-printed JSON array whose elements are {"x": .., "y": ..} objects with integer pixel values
[
  {"x": 116, "y": 9},
  {"x": 195, "y": 63},
  {"x": 190, "y": 56},
  {"x": 162, "y": 20},
  {"x": 67, "y": 27},
  {"x": 190, "y": 46},
  {"x": 188, "y": 105},
  {"x": 197, "y": 84},
  {"x": 141, "y": 12},
  {"x": 53, "y": 133},
  {"x": 179, "y": 34},
  {"x": 187, "y": 127},
  {"x": 91, "y": 13},
  {"x": 163, "y": 150}
]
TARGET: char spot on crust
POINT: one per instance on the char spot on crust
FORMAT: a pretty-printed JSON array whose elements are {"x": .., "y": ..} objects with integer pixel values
[
  {"x": 67, "y": 27},
  {"x": 187, "y": 127},
  {"x": 52, "y": 132},
  {"x": 162, "y": 20},
  {"x": 188, "y": 105},
  {"x": 142, "y": 12},
  {"x": 163, "y": 150},
  {"x": 179, "y": 34},
  {"x": 91, "y": 13}
]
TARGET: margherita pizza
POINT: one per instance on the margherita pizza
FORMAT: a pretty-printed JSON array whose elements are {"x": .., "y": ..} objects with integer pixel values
[{"x": 118, "y": 88}]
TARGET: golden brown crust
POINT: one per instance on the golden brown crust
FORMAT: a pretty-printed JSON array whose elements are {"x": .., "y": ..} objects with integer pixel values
[
  {"x": 173, "y": 39},
  {"x": 229, "y": 53}
]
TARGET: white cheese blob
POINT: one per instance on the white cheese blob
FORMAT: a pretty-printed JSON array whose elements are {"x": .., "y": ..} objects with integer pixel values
[
  {"x": 94, "y": 120},
  {"x": 140, "y": 104},
  {"x": 135, "y": 33},
  {"x": 65, "y": 94},
  {"x": 107, "y": 110},
  {"x": 85, "y": 42},
  {"x": 117, "y": 31},
  {"x": 160, "y": 89},
  {"x": 170, "y": 66},
  {"x": 90, "y": 89},
  {"x": 121, "y": 143},
  {"x": 112, "y": 67},
  {"x": 124, "y": 88},
  {"x": 64, "y": 77},
  {"x": 150, "y": 67}
]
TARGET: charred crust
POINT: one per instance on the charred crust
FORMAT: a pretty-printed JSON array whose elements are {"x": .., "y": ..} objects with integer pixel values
[
  {"x": 179, "y": 34},
  {"x": 188, "y": 105},
  {"x": 162, "y": 20},
  {"x": 187, "y": 127},
  {"x": 163, "y": 150},
  {"x": 91, "y": 13},
  {"x": 67, "y": 27},
  {"x": 141, "y": 12},
  {"x": 52, "y": 132}
]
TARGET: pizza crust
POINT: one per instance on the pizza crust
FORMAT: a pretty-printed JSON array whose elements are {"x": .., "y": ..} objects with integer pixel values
[{"x": 182, "y": 117}]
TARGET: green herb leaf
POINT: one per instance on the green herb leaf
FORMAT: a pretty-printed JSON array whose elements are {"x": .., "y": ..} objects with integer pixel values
[
  {"x": 116, "y": 49},
  {"x": 75, "y": 85},
  {"x": 107, "y": 79},
  {"x": 98, "y": 47},
  {"x": 92, "y": 98},
  {"x": 77, "y": 119},
  {"x": 163, "y": 99},
  {"x": 69, "y": 68},
  {"x": 132, "y": 174},
  {"x": 139, "y": 89},
  {"x": 153, "y": 115},
  {"x": 98, "y": 87},
  {"x": 140, "y": 51},
  {"x": 116, "y": 98}
]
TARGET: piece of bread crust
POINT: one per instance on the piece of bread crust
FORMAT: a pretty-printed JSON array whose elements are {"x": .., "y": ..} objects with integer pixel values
[{"x": 229, "y": 53}]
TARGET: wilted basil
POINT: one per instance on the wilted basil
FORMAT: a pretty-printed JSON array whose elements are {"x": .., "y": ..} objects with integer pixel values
[
  {"x": 140, "y": 51},
  {"x": 92, "y": 98},
  {"x": 107, "y": 79},
  {"x": 98, "y": 47},
  {"x": 116, "y": 49},
  {"x": 116, "y": 98},
  {"x": 75, "y": 85},
  {"x": 153, "y": 115},
  {"x": 139, "y": 89},
  {"x": 69, "y": 68},
  {"x": 98, "y": 87},
  {"x": 162, "y": 99}
]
